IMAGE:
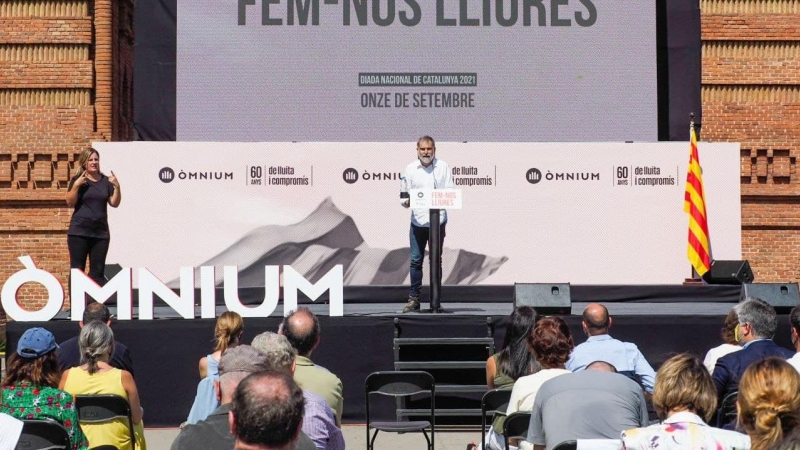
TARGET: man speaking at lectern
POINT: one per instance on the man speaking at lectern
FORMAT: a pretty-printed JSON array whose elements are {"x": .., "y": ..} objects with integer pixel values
[{"x": 426, "y": 172}]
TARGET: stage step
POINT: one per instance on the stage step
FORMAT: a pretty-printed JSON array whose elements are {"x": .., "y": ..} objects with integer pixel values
[
  {"x": 460, "y": 388},
  {"x": 458, "y": 365},
  {"x": 422, "y": 365},
  {"x": 439, "y": 412},
  {"x": 444, "y": 341}
]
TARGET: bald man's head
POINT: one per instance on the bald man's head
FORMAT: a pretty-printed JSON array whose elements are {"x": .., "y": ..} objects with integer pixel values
[
  {"x": 596, "y": 319},
  {"x": 602, "y": 366},
  {"x": 301, "y": 328}
]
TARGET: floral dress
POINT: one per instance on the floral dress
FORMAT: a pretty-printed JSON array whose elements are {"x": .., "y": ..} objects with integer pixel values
[
  {"x": 683, "y": 431},
  {"x": 26, "y": 401}
]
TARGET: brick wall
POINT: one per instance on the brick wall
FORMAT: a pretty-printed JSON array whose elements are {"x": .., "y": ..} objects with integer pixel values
[
  {"x": 65, "y": 81},
  {"x": 66, "y": 75},
  {"x": 751, "y": 94}
]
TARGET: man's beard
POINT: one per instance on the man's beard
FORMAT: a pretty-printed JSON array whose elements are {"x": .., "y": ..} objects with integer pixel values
[{"x": 425, "y": 160}]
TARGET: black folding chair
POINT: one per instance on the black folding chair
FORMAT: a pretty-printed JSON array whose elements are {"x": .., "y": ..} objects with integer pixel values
[
  {"x": 99, "y": 408},
  {"x": 493, "y": 402},
  {"x": 43, "y": 435},
  {"x": 727, "y": 410},
  {"x": 567, "y": 445},
  {"x": 516, "y": 426},
  {"x": 400, "y": 384}
]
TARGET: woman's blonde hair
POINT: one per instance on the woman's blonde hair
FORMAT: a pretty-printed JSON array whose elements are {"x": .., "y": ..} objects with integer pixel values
[
  {"x": 769, "y": 401},
  {"x": 229, "y": 327},
  {"x": 684, "y": 384},
  {"x": 82, "y": 159}
]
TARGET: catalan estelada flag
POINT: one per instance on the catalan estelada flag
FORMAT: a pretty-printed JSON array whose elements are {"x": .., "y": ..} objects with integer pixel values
[{"x": 699, "y": 249}]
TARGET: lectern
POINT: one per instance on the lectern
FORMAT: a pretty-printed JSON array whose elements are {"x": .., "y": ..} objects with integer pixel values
[{"x": 435, "y": 200}]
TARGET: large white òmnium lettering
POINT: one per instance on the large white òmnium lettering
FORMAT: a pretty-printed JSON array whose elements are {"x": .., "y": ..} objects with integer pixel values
[
  {"x": 32, "y": 274},
  {"x": 183, "y": 302}
]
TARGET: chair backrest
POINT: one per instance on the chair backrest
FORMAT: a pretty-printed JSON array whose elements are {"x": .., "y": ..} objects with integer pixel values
[
  {"x": 567, "y": 445},
  {"x": 400, "y": 383},
  {"x": 727, "y": 409},
  {"x": 516, "y": 426},
  {"x": 43, "y": 435},
  {"x": 493, "y": 401},
  {"x": 599, "y": 444},
  {"x": 99, "y": 408}
]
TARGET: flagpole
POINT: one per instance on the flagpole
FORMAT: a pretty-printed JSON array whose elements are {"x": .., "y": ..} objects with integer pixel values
[{"x": 696, "y": 278}]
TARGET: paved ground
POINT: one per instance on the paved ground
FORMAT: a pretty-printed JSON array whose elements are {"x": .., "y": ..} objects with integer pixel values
[{"x": 355, "y": 437}]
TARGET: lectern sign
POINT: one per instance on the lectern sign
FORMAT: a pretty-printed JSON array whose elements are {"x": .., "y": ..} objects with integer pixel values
[{"x": 435, "y": 198}]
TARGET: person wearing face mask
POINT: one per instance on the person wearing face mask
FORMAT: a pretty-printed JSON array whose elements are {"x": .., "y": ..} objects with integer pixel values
[
  {"x": 90, "y": 192},
  {"x": 426, "y": 172}
]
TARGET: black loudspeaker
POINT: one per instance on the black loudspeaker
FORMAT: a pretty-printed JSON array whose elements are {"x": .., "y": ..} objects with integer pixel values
[
  {"x": 729, "y": 272},
  {"x": 782, "y": 296},
  {"x": 545, "y": 298}
]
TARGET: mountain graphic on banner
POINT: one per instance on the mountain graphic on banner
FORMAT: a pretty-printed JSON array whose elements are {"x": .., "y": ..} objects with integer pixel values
[{"x": 328, "y": 237}]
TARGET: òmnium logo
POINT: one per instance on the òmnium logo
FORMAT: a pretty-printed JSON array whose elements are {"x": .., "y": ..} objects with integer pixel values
[
  {"x": 166, "y": 175},
  {"x": 350, "y": 175},
  {"x": 533, "y": 176}
]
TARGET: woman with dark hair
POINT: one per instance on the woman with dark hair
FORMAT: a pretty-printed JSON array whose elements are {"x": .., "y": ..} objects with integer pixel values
[
  {"x": 90, "y": 192},
  {"x": 729, "y": 341},
  {"x": 513, "y": 361},
  {"x": 769, "y": 402},
  {"x": 685, "y": 399},
  {"x": 97, "y": 376},
  {"x": 30, "y": 389},
  {"x": 551, "y": 343}
]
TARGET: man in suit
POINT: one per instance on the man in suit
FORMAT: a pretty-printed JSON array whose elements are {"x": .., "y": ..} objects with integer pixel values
[{"x": 757, "y": 325}]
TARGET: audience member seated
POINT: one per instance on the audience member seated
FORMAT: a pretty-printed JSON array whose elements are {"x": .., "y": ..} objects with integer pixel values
[
  {"x": 624, "y": 356},
  {"x": 513, "y": 361},
  {"x": 301, "y": 328},
  {"x": 69, "y": 355},
  {"x": 30, "y": 388},
  {"x": 227, "y": 334},
  {"x": 794, "y": 321},
  {"x": 97, "y": 376},
  {"x": 597, "y": 403},
  {"x": 551, "y": 342},
  {"x": 769, "y": 401},
  {"x": 729, "y": 344},
  {"x": 266, "y": 412},
  {"x": 214, "y": 433},
  {"x": 685, "y": 399},
  {"x": 757, "y": 325},
  {"x": 319, "y": 422}
]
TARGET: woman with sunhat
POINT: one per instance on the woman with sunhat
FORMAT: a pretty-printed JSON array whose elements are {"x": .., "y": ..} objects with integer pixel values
[{"x": 30, "y": 389}]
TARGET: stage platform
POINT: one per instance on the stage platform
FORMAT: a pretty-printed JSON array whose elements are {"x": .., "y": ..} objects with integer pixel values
[{"x": 661, "y": 320}]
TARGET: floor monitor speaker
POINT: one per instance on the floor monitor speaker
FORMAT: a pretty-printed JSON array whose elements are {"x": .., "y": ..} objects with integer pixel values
[
  {"x": 782, "y": 296},
  {"x": 729, "y": 272},
  {"x": 545, "y": 298}
]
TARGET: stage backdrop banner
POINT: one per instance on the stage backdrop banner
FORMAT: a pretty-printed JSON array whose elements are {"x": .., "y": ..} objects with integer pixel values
[
  {"x": 585, "y": 213},
  {"x": 381, "y": 70}
]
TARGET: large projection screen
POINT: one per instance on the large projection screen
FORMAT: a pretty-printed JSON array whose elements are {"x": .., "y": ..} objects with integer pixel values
[
  {"x": 586, "y": 213},
  {"x": 391, "y": 70}
]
